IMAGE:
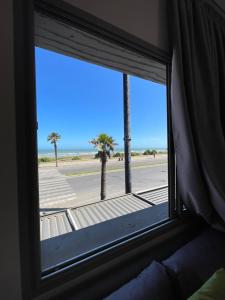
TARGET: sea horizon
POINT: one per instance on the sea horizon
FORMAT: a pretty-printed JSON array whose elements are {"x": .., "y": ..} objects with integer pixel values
[{"x": 87, "y": 151}]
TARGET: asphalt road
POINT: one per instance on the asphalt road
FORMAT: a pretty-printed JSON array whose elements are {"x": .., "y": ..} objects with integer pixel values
[
  {"x": 94, "y": 165},
  {"x": 143, "y": 178},
  {"x": 83, "y": 179}
]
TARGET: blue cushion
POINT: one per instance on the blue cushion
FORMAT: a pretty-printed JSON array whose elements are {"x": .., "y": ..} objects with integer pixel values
[
  {"x": 194, "y": 263},
  {"x": 152, "y": 284}
]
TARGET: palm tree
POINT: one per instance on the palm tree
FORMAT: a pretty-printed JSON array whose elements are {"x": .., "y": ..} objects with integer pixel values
[
  {"x": 53, "y": 138},
  {"x": 154, "y": 152},
  {"x": 105, "y": 145}
]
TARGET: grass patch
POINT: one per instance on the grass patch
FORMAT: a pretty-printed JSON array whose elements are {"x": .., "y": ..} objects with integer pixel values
[
  {"x": 118, "y": 154},
  {"x": 135, "y": 153},
  {"x": 45, "y": 159},
  {"x": 112, "y": 170},
  {"x": 76, "y": 158}
]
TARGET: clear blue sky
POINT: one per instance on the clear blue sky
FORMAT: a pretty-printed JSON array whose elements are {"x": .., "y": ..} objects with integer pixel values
[{"x": 79, "y": 100}]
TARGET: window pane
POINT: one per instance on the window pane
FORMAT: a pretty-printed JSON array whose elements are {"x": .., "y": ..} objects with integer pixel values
[
  {"x": 78, "y": 101},
  {"x": 81, "y": 158},
  {"x": 149, "y": 141}
]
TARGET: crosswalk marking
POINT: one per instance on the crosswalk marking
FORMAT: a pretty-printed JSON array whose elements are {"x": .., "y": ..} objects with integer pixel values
[{"x": 54, "y": 189}]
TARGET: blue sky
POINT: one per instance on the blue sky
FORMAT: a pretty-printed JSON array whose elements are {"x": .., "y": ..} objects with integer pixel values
[{"x": 79, "y": 100}]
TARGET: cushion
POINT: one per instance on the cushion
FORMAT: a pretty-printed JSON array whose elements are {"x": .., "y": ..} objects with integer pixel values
[
  {"x": 190, "y": 266},
  {"x": 213, "y": 289},
  {"x": 152, "y": 284}
]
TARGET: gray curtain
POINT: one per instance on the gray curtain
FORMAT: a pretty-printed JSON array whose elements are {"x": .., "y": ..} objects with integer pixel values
[{"x": 198, "y": 107}]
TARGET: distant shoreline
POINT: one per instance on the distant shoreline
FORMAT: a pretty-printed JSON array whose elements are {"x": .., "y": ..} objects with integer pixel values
[
  {"x": 62, "y": 153},
  {"x": 47, "y": 161}
]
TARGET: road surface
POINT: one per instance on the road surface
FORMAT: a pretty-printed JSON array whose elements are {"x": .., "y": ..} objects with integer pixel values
[{"x": 79, "y": 183}]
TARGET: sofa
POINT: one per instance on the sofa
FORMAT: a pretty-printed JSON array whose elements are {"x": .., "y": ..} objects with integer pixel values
[{"x": 180, "y": 275}]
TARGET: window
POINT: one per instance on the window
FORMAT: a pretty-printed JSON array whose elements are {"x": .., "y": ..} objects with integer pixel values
[
  {"x": 102, "y": 142},
  {"x": 148, "y": 107}
]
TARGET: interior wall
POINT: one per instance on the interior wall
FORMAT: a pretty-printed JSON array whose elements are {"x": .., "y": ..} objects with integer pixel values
[
  {"x": 146, "y": 19},
  {"x": 10, "y": 288}
]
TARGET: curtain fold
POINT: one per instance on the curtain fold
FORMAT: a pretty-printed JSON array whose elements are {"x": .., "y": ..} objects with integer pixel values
[{"x": 198, "y": 107}]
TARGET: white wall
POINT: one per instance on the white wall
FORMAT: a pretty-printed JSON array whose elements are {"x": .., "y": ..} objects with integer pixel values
[
  {"x": 9, "y": 236},
  {"x": 144, "y": 18}
]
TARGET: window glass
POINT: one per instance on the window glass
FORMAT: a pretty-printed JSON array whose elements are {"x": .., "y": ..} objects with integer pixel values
[
  {"x": 149, "y": 140},
  {"x": 102, "y": 150}
]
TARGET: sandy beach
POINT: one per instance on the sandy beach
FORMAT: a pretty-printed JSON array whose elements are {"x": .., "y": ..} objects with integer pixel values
[{"x": 89, "y": 159}]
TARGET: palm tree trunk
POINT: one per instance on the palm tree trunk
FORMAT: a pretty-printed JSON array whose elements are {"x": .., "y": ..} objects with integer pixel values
[
  {"x": 56, "y": 159},
  {"x": 103, "y": 177},
  {"x": 127, "y": 133}
]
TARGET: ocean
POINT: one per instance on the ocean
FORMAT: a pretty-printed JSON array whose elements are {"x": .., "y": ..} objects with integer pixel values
[{"x": 83, "y": 152}]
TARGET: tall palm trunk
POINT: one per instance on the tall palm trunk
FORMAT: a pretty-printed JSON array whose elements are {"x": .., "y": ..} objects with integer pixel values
[
  {"x": 56, "y": 159},
  {"x": 127, "y": 133},
  {"x": 103, "y": 176}
]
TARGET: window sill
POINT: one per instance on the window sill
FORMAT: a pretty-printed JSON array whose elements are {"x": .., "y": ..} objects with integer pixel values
[
  {"x": 156, "y": 242},
  {"x": 62, "y": 250}
]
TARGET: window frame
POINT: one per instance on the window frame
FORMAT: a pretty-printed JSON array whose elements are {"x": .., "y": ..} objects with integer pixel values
[{"x": 27, "y": 141}]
